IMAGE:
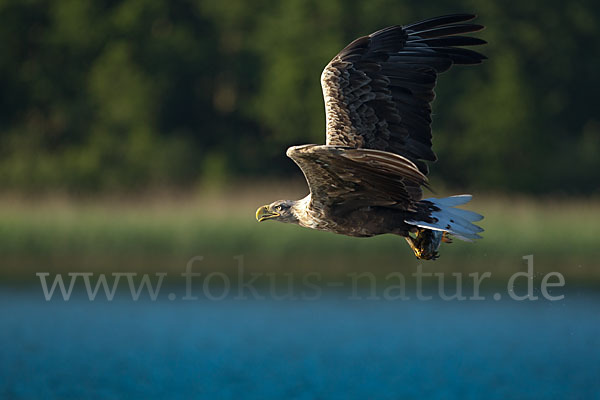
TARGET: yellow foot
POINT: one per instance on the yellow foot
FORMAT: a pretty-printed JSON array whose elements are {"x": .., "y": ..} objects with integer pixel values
[{"x": 446, "y": 238}]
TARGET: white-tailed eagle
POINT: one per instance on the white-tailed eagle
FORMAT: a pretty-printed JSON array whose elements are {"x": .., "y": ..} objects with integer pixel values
[{"x": 367, "y": 179}]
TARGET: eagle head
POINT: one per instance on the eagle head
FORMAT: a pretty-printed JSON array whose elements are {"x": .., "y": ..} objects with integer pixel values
[{"x": 280, "y": 210}]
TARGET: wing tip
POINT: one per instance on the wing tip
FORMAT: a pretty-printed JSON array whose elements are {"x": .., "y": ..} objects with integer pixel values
[{"x": 442, "y": 20}]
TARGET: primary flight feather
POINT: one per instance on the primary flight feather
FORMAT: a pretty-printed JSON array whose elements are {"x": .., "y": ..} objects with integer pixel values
[{"x": 367, "y": 179}]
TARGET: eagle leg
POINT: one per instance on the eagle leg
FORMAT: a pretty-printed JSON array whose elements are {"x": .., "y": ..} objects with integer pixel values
[{"x": 422, "y": 245}]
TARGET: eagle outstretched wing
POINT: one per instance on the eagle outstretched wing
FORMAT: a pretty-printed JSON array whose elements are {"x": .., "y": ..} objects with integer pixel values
[
  {"x": 341, "y": 178},
  {"x": 379, "y": 88}
]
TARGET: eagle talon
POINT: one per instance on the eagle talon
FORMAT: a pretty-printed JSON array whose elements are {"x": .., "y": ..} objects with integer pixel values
[
  {"x": 446, "y": 238},
  {"x": 425, "y": 244}
]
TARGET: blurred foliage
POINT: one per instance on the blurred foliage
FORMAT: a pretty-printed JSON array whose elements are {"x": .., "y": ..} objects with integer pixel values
[
  {"x": 126, "y": 95},
  {"x": 162, "y": 234}
]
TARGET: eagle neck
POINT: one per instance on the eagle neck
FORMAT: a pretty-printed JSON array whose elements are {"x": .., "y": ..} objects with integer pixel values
[{"x": 301, "y": 211}]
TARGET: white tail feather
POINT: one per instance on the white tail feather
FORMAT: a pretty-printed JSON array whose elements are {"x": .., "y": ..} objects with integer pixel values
[
  {"x": 455, "y": 221},
  {"x": 452, "y": 201}
]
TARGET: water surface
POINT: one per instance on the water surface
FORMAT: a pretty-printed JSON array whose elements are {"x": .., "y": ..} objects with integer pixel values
[{"x": 333, "y": 349}]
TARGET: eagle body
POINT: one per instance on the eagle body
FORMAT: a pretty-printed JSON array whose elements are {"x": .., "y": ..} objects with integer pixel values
[
  {"x": 362, "y": 222},
  {"x": 367, "y": 179}
]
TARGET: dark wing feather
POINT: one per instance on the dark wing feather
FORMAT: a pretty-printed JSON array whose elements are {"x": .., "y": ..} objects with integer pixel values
[
  {"x": 342, "y": 179},
  {"x": 379, "y": 88}
]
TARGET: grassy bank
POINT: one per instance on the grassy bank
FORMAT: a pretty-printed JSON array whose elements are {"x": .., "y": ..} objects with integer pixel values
[{"x": 160, "y": 233}]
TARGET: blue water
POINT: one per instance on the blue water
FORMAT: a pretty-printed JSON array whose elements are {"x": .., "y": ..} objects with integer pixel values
[{"x": 329, "y": 349}]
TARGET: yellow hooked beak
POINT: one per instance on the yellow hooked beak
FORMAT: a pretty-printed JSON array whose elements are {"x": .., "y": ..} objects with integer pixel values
[{"x": 265, "y": 213}]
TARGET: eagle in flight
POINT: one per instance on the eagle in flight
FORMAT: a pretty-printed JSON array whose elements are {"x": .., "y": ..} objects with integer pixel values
[{"x": 367, "y": 179}]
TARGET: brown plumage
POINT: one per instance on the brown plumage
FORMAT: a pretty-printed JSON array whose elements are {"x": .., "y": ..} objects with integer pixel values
[{"x": 366, "y": 180}]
